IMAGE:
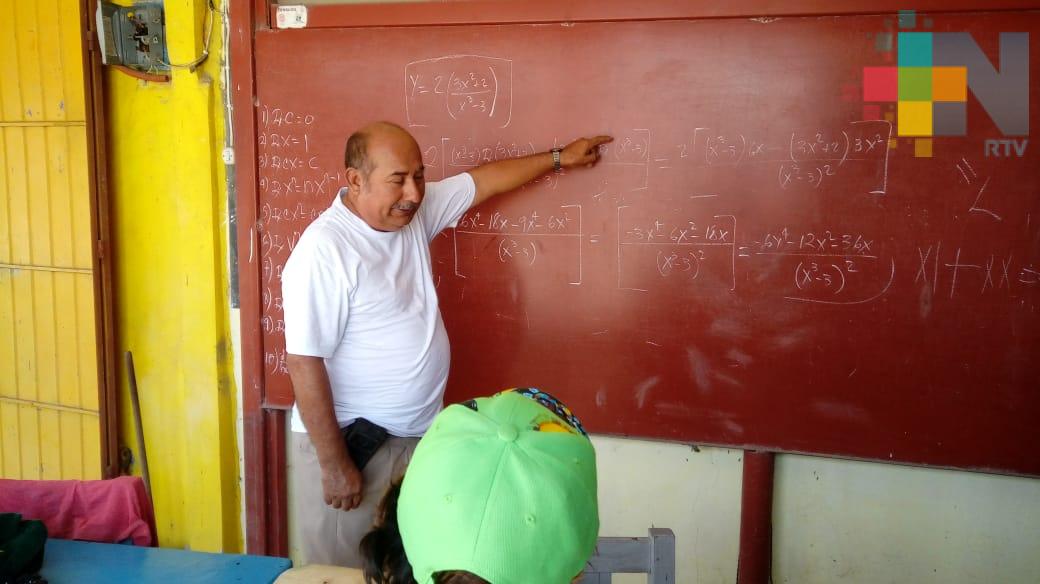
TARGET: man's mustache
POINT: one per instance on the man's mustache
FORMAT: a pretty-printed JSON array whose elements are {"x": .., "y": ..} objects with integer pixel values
[{"x": 406, "y": 206}]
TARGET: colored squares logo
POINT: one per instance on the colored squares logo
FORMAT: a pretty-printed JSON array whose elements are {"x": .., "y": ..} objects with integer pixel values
[
  {"x": 930, "y": 101},
  {"x": 907, "y": 19},
  {"x": 880, "y": 84},
  {"x": 949, "y": 83},
  {"x": 915, "y": 49},
  {"x": 914, "y": 118},
  {"x": 915, "y": 83}
]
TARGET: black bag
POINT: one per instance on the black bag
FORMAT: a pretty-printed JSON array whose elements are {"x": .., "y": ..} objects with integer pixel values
[
  {"x": 21, "y": 549},
  {"x": 363, "y": 439}
]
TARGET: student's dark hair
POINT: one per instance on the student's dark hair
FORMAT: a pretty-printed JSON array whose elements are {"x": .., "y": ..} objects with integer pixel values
[
  {"x": 457, "y": 577},
  {"x": 382, "y": 551}
]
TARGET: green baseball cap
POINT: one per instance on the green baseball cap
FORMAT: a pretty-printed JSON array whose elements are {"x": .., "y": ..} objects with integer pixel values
[{"x": 503, "y": 488}]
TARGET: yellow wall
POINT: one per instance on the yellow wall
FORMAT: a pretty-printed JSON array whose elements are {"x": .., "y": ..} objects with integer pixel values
[
  {"x": 170, "y": 231},
  {"x": 49, "y": 418}
]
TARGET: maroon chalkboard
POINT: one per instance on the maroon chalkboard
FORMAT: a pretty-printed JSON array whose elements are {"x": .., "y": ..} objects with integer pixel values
[{"x": 759, "y": 260}]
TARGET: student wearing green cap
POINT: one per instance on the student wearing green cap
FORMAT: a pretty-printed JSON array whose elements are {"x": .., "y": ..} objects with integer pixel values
[{"x": 500, "y": 490}]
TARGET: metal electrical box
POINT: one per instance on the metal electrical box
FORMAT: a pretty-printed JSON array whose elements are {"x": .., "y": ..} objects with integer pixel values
[{"x": 133, "y": 36}]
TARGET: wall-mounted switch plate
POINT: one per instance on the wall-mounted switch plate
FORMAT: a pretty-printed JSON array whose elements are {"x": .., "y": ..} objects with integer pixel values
[{"x": 133, "y": 36}]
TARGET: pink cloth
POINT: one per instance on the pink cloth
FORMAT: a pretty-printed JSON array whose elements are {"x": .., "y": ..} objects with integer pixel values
[{"x": 106, "y": 511}]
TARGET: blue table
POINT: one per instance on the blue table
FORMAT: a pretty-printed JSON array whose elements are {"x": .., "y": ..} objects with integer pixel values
[{"x": 79, "y": 562}]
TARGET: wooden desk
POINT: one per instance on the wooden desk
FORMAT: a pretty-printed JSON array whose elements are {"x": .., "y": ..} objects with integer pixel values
[{"x": 89, "y": 563}]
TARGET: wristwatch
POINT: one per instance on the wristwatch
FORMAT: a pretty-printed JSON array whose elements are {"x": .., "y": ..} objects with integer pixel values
[{"x": 556, "y": 159}]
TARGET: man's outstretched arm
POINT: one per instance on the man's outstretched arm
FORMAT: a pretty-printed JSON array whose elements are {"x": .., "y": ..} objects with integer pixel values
[{"x": 505, "y": 175}]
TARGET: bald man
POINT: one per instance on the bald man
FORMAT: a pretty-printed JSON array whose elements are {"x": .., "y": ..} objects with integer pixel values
[{"x": 368, "y": 353}]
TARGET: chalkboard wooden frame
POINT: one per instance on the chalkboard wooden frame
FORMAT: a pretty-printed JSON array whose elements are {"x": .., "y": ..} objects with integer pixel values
[
  {"x": 263, "y": 424},
  {"x": 470, "y": 12}
]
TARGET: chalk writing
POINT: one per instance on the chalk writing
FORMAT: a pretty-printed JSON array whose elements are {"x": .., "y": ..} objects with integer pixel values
[
  {"x": 625, "y": 162},
  {"x": 274, "y": 362},
  {"x": 295, "y": 186},
  {"x": 689, "y": 262},
  {"x": 276, "y": 117},
  {"x": 532, "y": 223},
  {"x": 959, "y": 271},
  {"x": 829, "y": 281},
  {"x": 687, "y": 231},
  {"x": 509, "y": 249},
  {"x": 784, "y": 241},
  {"x": 678, "y": 247},
  {"x": 520, "y": 238},
  {"x": 675, "y": 193},
  {"x": 459, "y": 87},
  {"x": 813, "y": 274},
  {"x": 466, "y": 155},
  {"x": 803, "y": 159},
  {"x": 977, "y": 185}
]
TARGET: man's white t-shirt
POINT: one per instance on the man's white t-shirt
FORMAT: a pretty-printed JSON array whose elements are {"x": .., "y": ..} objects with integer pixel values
[{"x": 364, "y": 300}]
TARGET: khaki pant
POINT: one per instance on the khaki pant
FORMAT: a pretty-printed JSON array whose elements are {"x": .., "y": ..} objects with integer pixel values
[{"x": 331, "y": 536}]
